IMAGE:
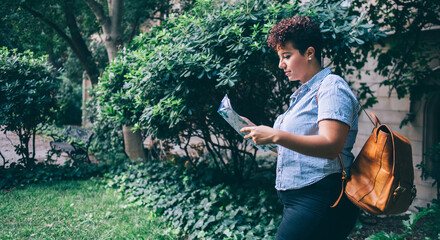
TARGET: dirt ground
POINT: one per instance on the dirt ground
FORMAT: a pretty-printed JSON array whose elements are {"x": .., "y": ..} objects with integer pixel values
[
  {"x": 41, "y": 147},
  {"x": 393, "y": 224}
]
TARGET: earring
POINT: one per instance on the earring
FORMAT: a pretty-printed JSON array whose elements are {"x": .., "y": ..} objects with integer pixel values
[{"x": 310, "y": 58}]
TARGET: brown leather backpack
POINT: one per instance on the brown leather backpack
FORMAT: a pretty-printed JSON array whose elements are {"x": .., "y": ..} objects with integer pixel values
[{"x": 382, "y": 175}]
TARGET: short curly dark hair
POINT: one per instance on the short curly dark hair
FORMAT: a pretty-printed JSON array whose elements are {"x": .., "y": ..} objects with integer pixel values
[{"x": 302, "y": 32}]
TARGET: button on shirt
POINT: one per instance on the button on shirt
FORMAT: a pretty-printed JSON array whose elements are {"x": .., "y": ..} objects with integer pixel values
[{"x": 337, "y": 102}]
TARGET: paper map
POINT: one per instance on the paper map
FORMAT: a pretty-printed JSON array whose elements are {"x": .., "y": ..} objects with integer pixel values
[{"x": 234, "y": 119}]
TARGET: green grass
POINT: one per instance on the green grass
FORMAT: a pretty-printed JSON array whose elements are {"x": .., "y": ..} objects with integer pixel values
[{"x": 74, "y": 210}]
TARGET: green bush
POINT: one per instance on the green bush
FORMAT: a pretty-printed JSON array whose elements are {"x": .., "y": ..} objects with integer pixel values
[
  {"x": 107, "y": 143},
  {"x": 17, "y": 174},
  {"x": 28, "y": 88},
  {"x": 171, "y": 81},
  {"x": 198, "y": 204}
]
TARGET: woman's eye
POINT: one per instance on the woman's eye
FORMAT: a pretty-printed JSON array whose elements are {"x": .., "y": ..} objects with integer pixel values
[{"x": 287, "y": 57}]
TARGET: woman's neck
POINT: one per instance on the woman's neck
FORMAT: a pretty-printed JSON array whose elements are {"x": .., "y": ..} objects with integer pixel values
[{"x": 315, "y": 68}]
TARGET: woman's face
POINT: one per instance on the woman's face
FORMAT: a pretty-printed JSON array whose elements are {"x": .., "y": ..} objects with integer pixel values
[{"x": 295, "y": 65}]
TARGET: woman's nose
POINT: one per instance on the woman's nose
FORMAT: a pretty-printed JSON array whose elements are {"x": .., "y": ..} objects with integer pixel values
[{"x": 281, "y": 65}]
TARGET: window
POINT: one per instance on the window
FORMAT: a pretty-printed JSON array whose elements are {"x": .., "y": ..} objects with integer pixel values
[{"x": 431, "y": 132}]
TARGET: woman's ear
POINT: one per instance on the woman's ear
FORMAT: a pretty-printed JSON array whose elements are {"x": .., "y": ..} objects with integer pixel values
[{"x": 310, "y": 52}]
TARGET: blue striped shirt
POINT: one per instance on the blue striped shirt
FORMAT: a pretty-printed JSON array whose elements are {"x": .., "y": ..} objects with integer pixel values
[{"x": 336, "y": 102}]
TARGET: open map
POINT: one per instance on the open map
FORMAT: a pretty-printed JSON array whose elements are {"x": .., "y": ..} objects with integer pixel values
[{"x": 235, "y": 120}]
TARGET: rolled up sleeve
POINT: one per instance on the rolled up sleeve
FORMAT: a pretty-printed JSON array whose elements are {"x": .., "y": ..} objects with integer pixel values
[{"x": 336, "y": 101}]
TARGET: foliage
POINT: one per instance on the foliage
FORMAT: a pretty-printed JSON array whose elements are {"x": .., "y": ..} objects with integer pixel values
[
  {"x": 115, "y": 92},
  {"x": 198, "y": 204},
  {"x": 20, "y": 30},
  {"x": 431, "y": 225},
  {"x": 433, "y": 157},
  {"x": 141, "y": 11},
  {"x": 17, "y": 174},
  {"x": 51, "y": 27},
  {"x": 27, "y": 97},
  {"x": 171, "y": 81},
  {"x": 408, "y": 62},
  {"x": 75, "y": 210}
]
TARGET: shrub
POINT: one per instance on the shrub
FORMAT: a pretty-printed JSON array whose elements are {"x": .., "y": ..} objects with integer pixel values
[
  {"x": 17, "y": 174},
  {"x": 28, "y": 89},
  {"x": 171, "y": 81},
  {"x": 108, "y": 142},
  {"x": 197, "y": 204}
]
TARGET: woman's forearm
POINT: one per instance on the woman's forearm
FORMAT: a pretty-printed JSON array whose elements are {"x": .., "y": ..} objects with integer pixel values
[
  {"x": 327, "y": 144},
  {"x": 311, "y": 145}
]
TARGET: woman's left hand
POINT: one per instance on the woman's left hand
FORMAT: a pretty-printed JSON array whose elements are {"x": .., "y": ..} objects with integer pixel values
[{"x": 261, "y": 135}]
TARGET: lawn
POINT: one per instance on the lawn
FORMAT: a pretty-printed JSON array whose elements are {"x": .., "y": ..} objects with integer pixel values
[{"x": 74, "y": 210}]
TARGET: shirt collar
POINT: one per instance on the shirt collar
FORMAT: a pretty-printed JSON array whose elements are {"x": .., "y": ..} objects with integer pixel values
[{"x": 315, "y": 81}]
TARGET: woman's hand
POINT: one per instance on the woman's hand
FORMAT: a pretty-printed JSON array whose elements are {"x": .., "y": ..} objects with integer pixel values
[{"x": 261, "y": 135}]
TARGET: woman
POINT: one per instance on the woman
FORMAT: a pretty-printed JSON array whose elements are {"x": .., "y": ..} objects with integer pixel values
[{"x": 320, "y": 123}]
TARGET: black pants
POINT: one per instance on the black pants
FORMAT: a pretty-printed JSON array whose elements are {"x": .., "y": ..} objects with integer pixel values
[{"x": 307, "y": 213}]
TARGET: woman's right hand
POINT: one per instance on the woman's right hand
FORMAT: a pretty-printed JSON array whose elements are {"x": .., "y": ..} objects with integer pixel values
[{"x": 251, "y": 124}]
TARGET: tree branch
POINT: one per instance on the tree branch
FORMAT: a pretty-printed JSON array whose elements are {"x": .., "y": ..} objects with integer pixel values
[
  {"x": 50, "y": 24},
  {"x": 4, "y": 160},
  {"x": 133, "y": 30},
  {"x": 98, "y": 10},
  {"x": 75, "y": 41},
  {"x": 82, "y": 51}
]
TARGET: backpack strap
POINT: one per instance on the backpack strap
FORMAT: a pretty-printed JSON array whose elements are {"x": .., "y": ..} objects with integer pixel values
[{"x": 344, "y": 179}]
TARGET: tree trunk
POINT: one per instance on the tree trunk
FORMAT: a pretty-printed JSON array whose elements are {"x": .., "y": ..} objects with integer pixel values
[
  {"x": 133, "y": 147},
  {"x": 111, "y": 48},
  {"x": 86, "y": 87}
]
